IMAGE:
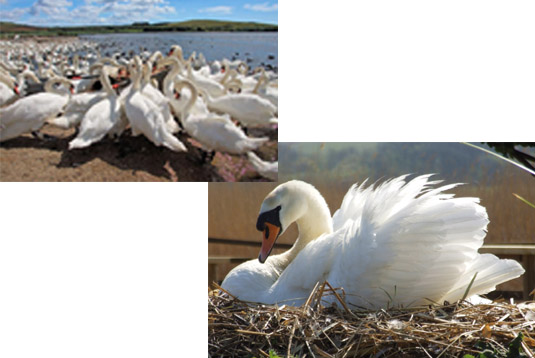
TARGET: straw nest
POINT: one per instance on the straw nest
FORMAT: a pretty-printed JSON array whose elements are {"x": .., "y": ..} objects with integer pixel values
[{"x": 244, "y": 329}]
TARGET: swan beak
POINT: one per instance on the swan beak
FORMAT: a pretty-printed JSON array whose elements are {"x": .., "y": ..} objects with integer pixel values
[{"x": 270, "y": 235}]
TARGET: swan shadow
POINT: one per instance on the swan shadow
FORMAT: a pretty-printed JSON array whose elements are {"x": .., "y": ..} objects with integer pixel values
[
  {"x": 126, "y": 153},
  {"x": 139, "y": 154}
]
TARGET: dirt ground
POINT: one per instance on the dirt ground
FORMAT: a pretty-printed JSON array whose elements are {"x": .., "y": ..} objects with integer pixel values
[{"x": 128, "y": 158}]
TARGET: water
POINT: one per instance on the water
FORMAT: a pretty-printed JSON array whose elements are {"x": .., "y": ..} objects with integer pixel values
[{"x": 257, "y": 48}]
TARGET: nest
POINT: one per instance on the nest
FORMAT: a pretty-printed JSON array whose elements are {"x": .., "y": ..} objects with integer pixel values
[{"x": 243, "y": 329}]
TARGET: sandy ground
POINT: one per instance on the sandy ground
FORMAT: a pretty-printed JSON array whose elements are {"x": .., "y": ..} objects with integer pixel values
[{"x": 27, "y": 158}]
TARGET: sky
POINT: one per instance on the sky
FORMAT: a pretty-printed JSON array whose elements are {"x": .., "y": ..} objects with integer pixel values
[{"x": 119, "y": 12}]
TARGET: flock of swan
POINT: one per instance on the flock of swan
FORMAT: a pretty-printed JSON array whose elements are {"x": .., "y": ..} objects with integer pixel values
[
  {"x": 152, "y": 94},
  {"x": 402, "y": 243}
]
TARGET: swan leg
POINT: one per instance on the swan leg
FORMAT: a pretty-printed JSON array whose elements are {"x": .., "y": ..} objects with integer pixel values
[
  {"x": 42, "y": 136},
  {"x": 207, "y": 156}
]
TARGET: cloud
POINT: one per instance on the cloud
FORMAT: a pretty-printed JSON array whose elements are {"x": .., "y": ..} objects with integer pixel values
[
  {"x": 62, "y": 12},
  {"x": 14, "y": 14},
  {"x": 51, "y": 8},
  {"x": 265, "y": 7},
  {"x": 223, "y": 10},
  {"x": 136, "y": 10}
]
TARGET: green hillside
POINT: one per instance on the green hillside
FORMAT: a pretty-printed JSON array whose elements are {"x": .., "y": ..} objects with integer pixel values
[{"x": 9, "y": 29}]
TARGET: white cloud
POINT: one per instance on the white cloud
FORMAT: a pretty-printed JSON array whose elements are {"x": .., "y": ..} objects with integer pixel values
[
  {"x": 265, "y": 7},
  {"x": 14, "y": 14},
  {"x": 223, "y": 10},
  {"x": 51, "y": 8},
  {"x": 60, "y": 12}
]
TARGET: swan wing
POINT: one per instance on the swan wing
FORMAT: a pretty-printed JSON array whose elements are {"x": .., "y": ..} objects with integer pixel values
[
  {"x": 407, "y": 243},
  {"x": 312, "y": 265},
  {"x": 97, "y": 122}
]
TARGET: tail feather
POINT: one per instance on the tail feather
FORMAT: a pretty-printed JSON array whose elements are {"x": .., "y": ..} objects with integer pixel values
[
  {"x": 249, "y": 144},
  {"x": 172, "y": 142},
  {"x": 490, "y": 270}
]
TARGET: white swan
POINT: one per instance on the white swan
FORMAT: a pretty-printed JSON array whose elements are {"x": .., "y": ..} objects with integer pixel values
[
  {"x": 213, "y": 131},
  {"x": 268, "y": 92},
  {"x": 30, "y": 113},
  {"x": 174, "y": 74},
  {"x": 158, "y": 98},
  {"x": 145, "y": 116},
  {"x": 214, "y": 88},
  {"x": 268, "y": 170},
  {"x": 101, "y": 118},
  {"x": 9, "y": 91},
  {"x": 249, "y": 109},
  {"x": 400, "y": 244}
]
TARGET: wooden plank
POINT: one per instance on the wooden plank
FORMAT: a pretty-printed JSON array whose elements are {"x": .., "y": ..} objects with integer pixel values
[
  {"x": 526, "y": 251},
  {"x": 519, "y": 249}
]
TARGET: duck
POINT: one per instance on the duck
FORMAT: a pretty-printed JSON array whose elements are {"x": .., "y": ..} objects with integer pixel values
[
  {"x": 31, "y": 113},
  {"x": 145, "y": 116},
  {"x": 101, "y": 118},
  {"x": 401, "y": 243},
  {"x": 214, "y": 132}
]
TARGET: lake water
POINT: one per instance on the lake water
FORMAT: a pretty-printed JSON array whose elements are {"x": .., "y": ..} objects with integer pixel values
[{"x": 257, "y": 48}]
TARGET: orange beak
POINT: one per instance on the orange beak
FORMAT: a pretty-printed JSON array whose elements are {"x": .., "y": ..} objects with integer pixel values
[{"x": 269, "y": 236}]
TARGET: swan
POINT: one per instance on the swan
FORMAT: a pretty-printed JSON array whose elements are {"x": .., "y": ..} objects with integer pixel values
[
  {"x": 214, "y": 88},
  {"x": 158, "y": 98},
  {"x": 75, "y": 110},
  {"x": 9, "y": 91},
  {"x": 403, "y": 243},
  {"x": 269, "y": 170},
  {"x": 144, "y": 115},
  {"x": 174, "y": 74},
  {"x": 30, "y": 113},
  {"x": 214, "y": 132},
  {"x": 249, "y": 109},
  {"x": 101, "y": 118},
  {"x": 268, "y": 92}
]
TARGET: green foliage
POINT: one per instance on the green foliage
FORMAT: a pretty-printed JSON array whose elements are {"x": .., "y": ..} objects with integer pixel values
[
  {"x": 489, "y": 350},
  {"x": 273, "y": 354}
]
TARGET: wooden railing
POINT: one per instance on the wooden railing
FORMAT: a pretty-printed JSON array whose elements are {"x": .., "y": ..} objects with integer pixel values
[{"x": 525, "y": 253}]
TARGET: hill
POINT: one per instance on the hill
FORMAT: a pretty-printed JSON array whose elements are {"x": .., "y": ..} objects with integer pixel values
[{"x": 9, "y": 29}]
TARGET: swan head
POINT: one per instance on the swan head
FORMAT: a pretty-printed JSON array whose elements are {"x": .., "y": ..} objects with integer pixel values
[{"x": 293, "y": 201}]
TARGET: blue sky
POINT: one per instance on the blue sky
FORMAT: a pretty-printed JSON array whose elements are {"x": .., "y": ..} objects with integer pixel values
[{"x": 104, "y": 12}]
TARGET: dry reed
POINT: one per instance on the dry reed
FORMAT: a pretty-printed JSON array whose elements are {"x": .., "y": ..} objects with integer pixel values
[{"x": 242, "y": 329}]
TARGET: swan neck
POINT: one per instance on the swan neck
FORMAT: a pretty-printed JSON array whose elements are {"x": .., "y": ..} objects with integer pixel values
[
  {"x": 106, "y": 81},
  {"x": 176, "y": 68},
  {"x": 316, "y": 221},
  {"x": 259, "y": 82}
]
